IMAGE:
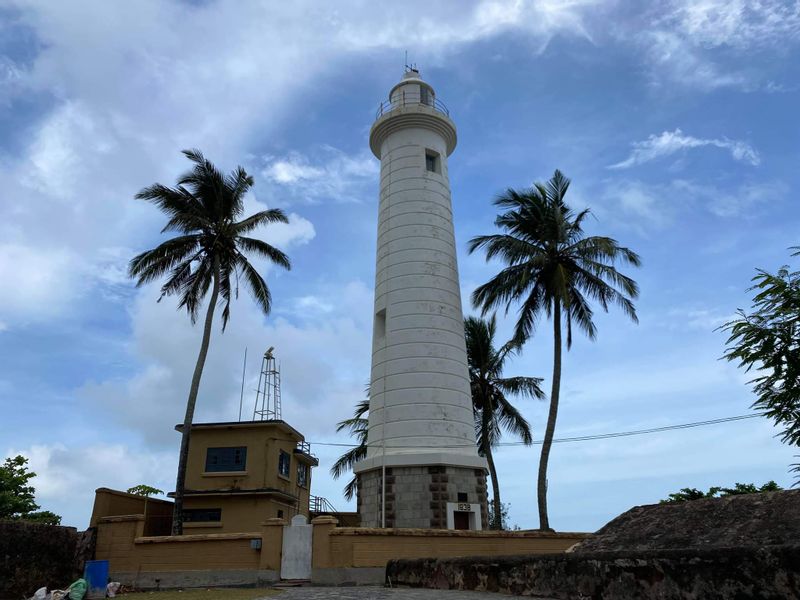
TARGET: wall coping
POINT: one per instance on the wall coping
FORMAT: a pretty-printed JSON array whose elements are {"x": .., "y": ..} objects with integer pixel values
[
  {"x": 112, "y": 492},
  {"x": 120, "y": 518},
  {"x": 200, "y": 537},
  {"x": 458, "y": 533}
]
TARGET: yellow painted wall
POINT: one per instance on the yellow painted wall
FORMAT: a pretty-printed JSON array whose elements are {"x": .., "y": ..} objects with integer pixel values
[
  {"x": 362, "y": 547},
  {"x": 239, "y": 513},
  {"x": 108, "y": 502},
  {"x": 120, "y": 541}
]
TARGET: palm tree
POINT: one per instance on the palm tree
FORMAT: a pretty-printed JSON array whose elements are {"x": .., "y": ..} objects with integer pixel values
[
  {"x": 208, "y": 252},
  {"x": 357, "y": 426},
  {"x": 492, "y": 410},
  {"x": 552, "y": 268}
]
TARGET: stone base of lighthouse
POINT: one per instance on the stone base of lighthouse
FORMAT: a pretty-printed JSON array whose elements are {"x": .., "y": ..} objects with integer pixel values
[{"x": 425, "y": 497}]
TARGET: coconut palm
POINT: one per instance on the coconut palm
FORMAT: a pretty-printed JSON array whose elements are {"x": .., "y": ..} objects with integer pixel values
[
  {"x": 553, "y": 269},
  {"x": 357, "y": 426},
  {"x": 204, "y": 209},
  {"x": 490, "y": 406}
]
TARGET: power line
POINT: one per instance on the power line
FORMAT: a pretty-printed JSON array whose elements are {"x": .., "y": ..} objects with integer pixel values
[{"x": 585, "y": 438}]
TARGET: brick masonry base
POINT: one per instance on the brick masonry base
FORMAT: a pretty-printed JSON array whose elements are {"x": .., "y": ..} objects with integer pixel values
[{"x": 418, "y": 496}]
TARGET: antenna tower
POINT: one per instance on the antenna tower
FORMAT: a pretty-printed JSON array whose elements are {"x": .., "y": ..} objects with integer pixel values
[{"x": 268, "y": 395}]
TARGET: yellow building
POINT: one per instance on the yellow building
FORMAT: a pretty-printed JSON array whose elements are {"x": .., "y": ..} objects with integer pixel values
[
  {"x": 241, "y": 473},
  {"x": 238, "y": 475}
]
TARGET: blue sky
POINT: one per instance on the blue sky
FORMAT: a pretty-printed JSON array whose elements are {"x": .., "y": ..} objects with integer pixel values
[{"x": 676, "y": 122}]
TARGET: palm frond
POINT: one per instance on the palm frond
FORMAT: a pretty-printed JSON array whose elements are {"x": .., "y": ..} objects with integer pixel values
[
  {"x": 264, "y": 250},
  {"x": 264, "y": 217},
  {"x": 152, "y": 264}
]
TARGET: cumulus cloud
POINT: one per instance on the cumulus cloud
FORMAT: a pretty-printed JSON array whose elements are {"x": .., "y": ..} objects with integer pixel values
[
  {"x": 67, "y": 475},
  {"x": 324, "y": 356},
  {"x": 670, "y": 142}
]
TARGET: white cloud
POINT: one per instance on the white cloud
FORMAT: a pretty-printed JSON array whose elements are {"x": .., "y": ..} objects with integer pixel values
[
  {"x": 670, "y": 142},
  {"x": 333, "y": 175},
  {"x": 66, "y": 476},
  {"x": 436, "y": 27},
  {"x": 709, "y": 44},
  {"x": 738, "y": 23},
  {"x": 40, "y": 285},
  {"x": 673, "y": 58},
  {"x": 643, "y": 207},
  {"x": 324, "y": 357},
  {"x": 731, "y": 203}
]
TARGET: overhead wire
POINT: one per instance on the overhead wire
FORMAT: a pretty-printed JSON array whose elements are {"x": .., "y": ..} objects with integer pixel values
[{"x": 582, "y": 438}]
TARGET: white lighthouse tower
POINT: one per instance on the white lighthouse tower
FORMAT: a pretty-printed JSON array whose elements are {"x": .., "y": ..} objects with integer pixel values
[{"x": 422, "y": 467}]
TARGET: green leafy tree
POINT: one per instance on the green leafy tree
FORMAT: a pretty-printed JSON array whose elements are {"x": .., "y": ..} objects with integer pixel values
[
  {"x": 490, "y": 406},
  {"x": 18, "y": 496},
  {"x": 209, "y": 253},
  {"x": 357, "y": 427},
  {"x": 766, "y": 340},
  {"x": 144, "y": 490},
  {"x": 552, "y": 269},
  {"x": 688, "y": 494}
]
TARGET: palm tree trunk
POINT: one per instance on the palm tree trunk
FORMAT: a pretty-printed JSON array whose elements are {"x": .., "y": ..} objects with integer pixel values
[
  {"x": 497, "y": 520},
  {"x": 177, "y": 513},
  {"x": 498, "y": 506},
  {"x": 544, "y": 522}
]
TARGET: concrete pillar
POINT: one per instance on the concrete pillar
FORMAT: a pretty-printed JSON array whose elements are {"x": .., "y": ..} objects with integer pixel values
[
  {"x": 271, "y": 544},
  {"x": 420, "y": 419},
  {"x": 321, "y": 544}
]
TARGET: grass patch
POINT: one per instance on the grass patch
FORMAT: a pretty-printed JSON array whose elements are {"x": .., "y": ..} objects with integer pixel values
[{"x": 204, "y": 594}]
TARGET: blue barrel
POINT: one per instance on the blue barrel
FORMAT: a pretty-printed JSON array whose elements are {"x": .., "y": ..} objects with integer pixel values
[{"x": 96, "y": 575}]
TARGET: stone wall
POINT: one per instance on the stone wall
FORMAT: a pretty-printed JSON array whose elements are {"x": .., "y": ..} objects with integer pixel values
[
  {"x": 34, "y": 555},
  {"x": 767, "y": 573},
  {"x": 732, "y": 547},
  {"x": 417, "y": 497}
]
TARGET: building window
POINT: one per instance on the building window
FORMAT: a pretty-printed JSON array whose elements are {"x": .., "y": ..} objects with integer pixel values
[
  {"x": 280, "y": 513},
  {"x": 201, "y": 515},
  {"x": 462, "y": 497},
  {"x": 302, "y": 474},
  {"x": 425, "y": 95},
  {"x": 284, "y": 464},
  {"x": 432, "y": 161},
  {"x": 226, "y": 459}
]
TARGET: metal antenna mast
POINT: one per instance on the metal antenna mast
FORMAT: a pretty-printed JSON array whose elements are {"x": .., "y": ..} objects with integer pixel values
[{"x": 268, "y": 395}]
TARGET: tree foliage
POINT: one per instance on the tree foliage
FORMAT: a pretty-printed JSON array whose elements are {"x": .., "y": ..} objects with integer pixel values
[
  {"x": 357, "y": 427},
  {"x": 491, "y": 408},
  {"x": 766, "y": 340},
  {"x": 688, "y": 494},
  {"x": 17, "y": 495},
  {"x": 205, "y": 209},
  {"x": 144, "y": 490}
]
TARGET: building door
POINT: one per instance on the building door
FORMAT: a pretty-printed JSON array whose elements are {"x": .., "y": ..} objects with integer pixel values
[
  {"x": 296, "y": 555},
  {"x": 460, "y": 520}
]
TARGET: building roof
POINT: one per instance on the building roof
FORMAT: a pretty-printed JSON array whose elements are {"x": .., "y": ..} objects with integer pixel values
[{"x": 280, "y": 424}]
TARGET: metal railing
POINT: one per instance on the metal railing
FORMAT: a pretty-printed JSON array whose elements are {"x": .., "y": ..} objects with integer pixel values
[
  {"x": 406, "y": 99},
  {"x": 304, "y": 447},
  {"x": 318, "y": 504}
]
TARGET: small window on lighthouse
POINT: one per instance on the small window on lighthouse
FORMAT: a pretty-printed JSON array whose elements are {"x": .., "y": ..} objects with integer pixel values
[
  {"x": 432, "y": 161},
  {"x": 380, "y": 323}
]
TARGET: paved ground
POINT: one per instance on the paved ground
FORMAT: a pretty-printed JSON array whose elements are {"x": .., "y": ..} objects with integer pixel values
[{"x": 376, "y": 593}]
